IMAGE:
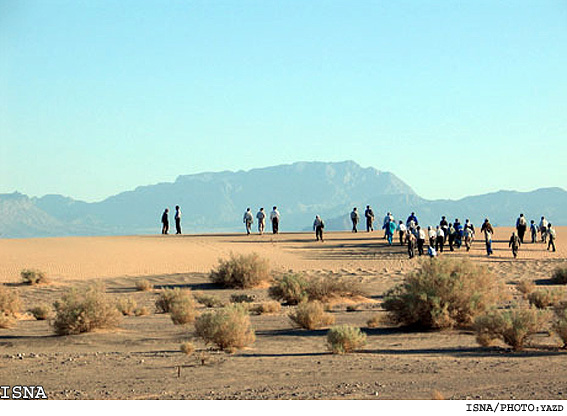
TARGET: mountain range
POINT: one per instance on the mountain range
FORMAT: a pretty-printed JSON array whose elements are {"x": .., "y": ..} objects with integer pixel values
[{"x": 215, "y": 202}]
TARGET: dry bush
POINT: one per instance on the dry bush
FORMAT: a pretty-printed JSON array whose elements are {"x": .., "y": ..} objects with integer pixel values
[
  {"x": 33, "y": 277},
  {"x": 7, "y": 321},
  {"x": 241, "y": 271},
  {"x": 559, "y": 276},
  {"x": 10, "y": 303},
  {"x": 374, "y": 322},
  {"x": 144, "y": 285},
  {"x": 141, "y": 311},
  {"x": 85, "y": 310},
  {"x": 345, "y": 338},
  {"x": 267, "y": 307},
  {"x": 544, "y": 298},
  {"x": 311, "y": 315},
  {"x": 182, "y": 308},
  {"x": 126, "y": 306},
  {"x": 513, "y": 326},
  {"x": 325, "y": 288},
  {"x": 525, "y": 287},
  {"x": 210, "y": 301},
  {"x": 167, "y": 297},
  {"x": 242, "y": 298},
  {"x": 187, "y": 348},
  {"x": 560, "y": 323},
  {"x": 228, "y": 328},
  {"x": 442, "y": 293},
  {"x": 41, "y": 312},
  {"x": 290, "y": 288}
]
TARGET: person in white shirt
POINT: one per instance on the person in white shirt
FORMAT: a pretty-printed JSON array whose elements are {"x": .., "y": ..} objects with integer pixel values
[
  {"x": 432, "y": 234},
  {"x": 552, "y": 236},
  {"x": 543, "y": 229},
  {"x": 402, "y": 229},
  {"x": 275, "y": 219},
  {"x": 440, "y": 239},
  {"x": 248, "y": 220},
  {"x": 177, "y": 220},
  {"x": 420, "y": 240}
]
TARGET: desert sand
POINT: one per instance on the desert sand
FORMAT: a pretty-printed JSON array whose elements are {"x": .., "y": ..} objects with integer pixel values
[{"x": 141, "y": 359}]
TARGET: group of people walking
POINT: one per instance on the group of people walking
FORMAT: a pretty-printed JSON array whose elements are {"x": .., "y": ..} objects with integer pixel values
[
  {"x": 261, "y": 217},
  {"x": 545, "y": 229},
  {"x": 165, "y": 221}
]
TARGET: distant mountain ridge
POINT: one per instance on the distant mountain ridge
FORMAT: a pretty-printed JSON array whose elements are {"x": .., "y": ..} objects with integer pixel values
[{"x": 216, "y": 201}]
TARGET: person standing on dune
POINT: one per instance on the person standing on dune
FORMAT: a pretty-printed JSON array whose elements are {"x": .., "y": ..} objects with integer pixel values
[
  {"x": 177, "y": 220},
  {"x": 521, "y": 227},
  {"x": 354, "y": 217},
  {"x": 369, "y": 214},
  {"x": 488, "y": 232},
  {"x": 515, "y": 243},
  {"x": 261, "y": 217},
  {"x": 551, "y": 237},
  {"x": 318, "y": 226},
  {"x": 248, "y": 220},
  {"x": 275, "y": 219},
  {"x": 165, "y": 221}
]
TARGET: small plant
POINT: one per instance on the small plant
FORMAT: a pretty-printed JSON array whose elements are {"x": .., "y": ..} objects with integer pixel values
[
  {"x": 144, "y": 285},
  {"x": 41, "y": 312},
  {"x": 210, "y": 301},
  {"x": 267, "y": 307},
  {"x": 33, "y": 277},
  {"x": 326, "y": 288},
  {"x": 311, "y": 315},
  {"x": 374, "y": 322},
  {"x": 525, "y": 287},
  {"x": 10, "y": 303},
  {"x": 559, "y": 276},
  {"x": 126, "y": 306},
  {"x": 442, "y": 293},
  {"x": 167, "y": 297},
  {"x": 85, "y": 310},
  {"x": 560, "y": 323},
  {"x": 543, "y": 298},
  {"x": 345, "y": 338},
  {"x": 291, "y": 288},
  {"x": 242, "y": 298},
  {"x": 241, "y": 271},
  {"x": 182, "y": 309},
  {"x": 141, "y": 311},
  {"x": 228, "y": 328},
  {"x": 187, "y": 348},
  {"x": 513, "y": 326}
]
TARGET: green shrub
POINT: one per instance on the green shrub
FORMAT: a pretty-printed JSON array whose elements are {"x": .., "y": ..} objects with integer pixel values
[
  {"x": 544, "y": 298},
  {"x": 442, "y": 293},
  {"x": 168, "y": 296},
  {"x": 513, "y": 326},
  {"x": 41, "y": 312},
  {"x": 345, "y": 338},
  {"x": 228, "y": 328},
  {"x": 241, "y": 271},
  {"x": 290, "y": 288},
  {"x": 33, "y": 277},
  {"x": 311, "y": 315},
  {"x": 560, "y": 276},
  {"x": 85, "y": 310}
]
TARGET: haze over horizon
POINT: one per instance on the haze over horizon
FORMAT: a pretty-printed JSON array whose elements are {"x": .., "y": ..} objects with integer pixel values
[{"x": 455, "y": 99}]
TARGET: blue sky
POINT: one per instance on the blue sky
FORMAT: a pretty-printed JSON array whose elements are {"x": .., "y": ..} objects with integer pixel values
[{"x": 456, "y": 98}]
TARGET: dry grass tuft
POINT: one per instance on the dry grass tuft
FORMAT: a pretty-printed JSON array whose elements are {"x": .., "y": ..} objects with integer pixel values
[
  {"x": 141, "y": 311},
  {"x": 525, "y": 287},
  {"x": 290, "y": 288},
  {"x": 210, "y": 301},
  {"x": 375, "y": 321},
  {"x": 228, "y": 328},
  {"x": 560, "y": 323},
  {"x": 41, "y": 312},
  {"x": 33, "y": 277},
  {"x": 267, "y": 307},
  {"x": 242, "y": 298},
  {"x": 544, "y": 298},
  {"x": 182, "y": 308},
  {"x": 559, "y": 276},
  {"x": 187, "y": 348},
  {"x": 126, "y": 306},
  {"x": 144, "y": 285},
  {"x": 345, "y": 338},
  {"x": 311, "y": 315},
  {"x": 241, "y": 271},
  {"x": 10, "y": 303}
]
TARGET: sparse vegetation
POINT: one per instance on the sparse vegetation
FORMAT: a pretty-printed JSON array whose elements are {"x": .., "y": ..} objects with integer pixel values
[
  {"x": 228, "y": 328},
  {"x": 345, "y": 338},
  {"x": 374, "y": 321},
  {"x": 544, "y": 298},
  {"x": 242, "y": 298},
  {"x": 40, "y": 312},
  {"x": 126, "y": 306},
  {"x": 525, "y": 287},
  {"x": 33, "y": 277},
  {"x": 85, "y": 310},
  {"x": 167, "y": 297},
  {"x": 210, "y": 301},
  {"x": 144, "y": 285},
  {"x": 442, "y": 293},
  {"x": 559, "y": 276},
  {"x": 326, "y": 288},
  {"x": 187, "y": 348},
  {"x": 290, "y": 288},
  {"x": 513, "y": 326},
  {"x": 560, "y": 323},
  {"x": 267, "y": 307},
  {"x": 241, "y": 271},
  {"x": 141, "y": 311},
  {"x": 10, "y": 303},
  {"x": 311, "y": 315},
  {"x": 180, "y": 304}
]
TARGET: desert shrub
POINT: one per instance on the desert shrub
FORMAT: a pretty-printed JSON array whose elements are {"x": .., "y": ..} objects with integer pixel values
[
  {"x": 167, "y": 297},
  {"x": 513, "y": 326},
  {"x": 187, "y": 348},
  {"x": 228, "y": 328},
  {"x": 10, "y": 303},
  {"x": 325, "y": 288},
  {"x": 442, "y": 293},
  {"x": 559, "y": 276},
  {"x": 242, "y": 298},
  {"x": 85, "y": 310},
  {"x": 525, "y": 287},
  {"x": 141, "y": 311},
  {"x": 544, "y": 298},
  {"x": 311, "y": 315},
  {"x": 289, "y": 288},
  {"x": 144, "y": 285},
  {"x": 241, "y": 271},
  {"x": 345, "y": 338},
  {"x": 182, "y": 309},
  {"x": 559, "y": 325},
  {"x": 33, "y": 277},
  {"x": 126, "y": 306},
  {"x": 267, "y": 307},
  {"x": 374, "y": 321},
  {"x": 41, "y": 312},
  {"x": 210, "y": 301}
]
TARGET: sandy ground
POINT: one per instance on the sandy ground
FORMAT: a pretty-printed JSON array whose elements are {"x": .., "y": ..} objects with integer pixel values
[{"x": 141, "y": 359}]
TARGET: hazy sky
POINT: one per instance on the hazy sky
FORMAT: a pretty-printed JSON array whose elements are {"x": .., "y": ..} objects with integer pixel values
[{"x": 454, "y": 97}]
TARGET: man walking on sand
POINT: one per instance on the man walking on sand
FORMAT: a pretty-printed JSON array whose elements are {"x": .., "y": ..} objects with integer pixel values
[
  {"x": 420, "y": 240},
  {"x": 521, "y": 226},
  {"x": 551, "y": 236},
  {"x": 543, "y": 229},
  {"x": 354, "y": 217},
  {"x": 275, "y": 219},
  {"x": 488, "y": 232},
  {"x": 402, "y": 229},
  {"x": 177, "y": 220},
  {"x": 165, "y": 221},
  {"x": 318, "y": 226},
  {"x": 261, "y": 217},
  {"x": 248, "y": 220},
  {"x": 515, "y": 243},
  {"x": 369, "y": 214}
]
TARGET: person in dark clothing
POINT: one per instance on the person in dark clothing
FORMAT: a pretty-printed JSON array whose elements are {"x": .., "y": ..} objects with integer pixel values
[
  {"x": 488, "y": 233},
  {"x": 318, "y": 226},
  {"x": 354, "y": 217},
  {"x": 552, "y": 236},
  {"x": 165, "y": 221},
  {"x": 521, "y": 227},
  {"x": 515, "y": 243},
  {"x": 177, "y": 220},
  {"x": 452, "y": 235},
  {"x": 444, "y": 224},
  {"x": 533, "y": 230},
  {"x": 369, "y": 214},
  {"x": 440, "y": 239},
  {"x": 411, "y": 244}
]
